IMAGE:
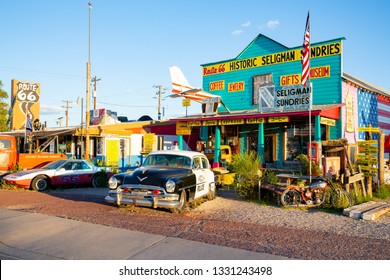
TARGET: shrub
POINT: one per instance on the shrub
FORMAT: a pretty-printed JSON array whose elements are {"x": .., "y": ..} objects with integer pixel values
[
  {"x": 246, "y": 167},
  {"x": 315, "y": 169}
]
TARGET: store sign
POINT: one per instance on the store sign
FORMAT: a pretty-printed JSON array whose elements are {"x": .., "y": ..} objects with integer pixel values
[
  {"x": 24, "y": 101},
  {"x": 182, "y": 128},
  {"x": 350, "y": 127},
  {"x": 210, "y": 123},
  {"x": 315, "y": 73},
  {"x": 290, "y": 80},
  {"x": 326, "y": 121},
  {"x": 231, "y": 122},
  {"x": 255, "y": 120},
  {"x": 218, "y": 85},
  {"x": 237, "y": 86},
  {"x": 278, "y": 119},
  {"x": 281, "y": 99},
  {"x": 369, "y": 129},
  {"x": 186, "y": 102},
  {"x": 319, "y": 51},
  {"x": 196, "y": 123}
]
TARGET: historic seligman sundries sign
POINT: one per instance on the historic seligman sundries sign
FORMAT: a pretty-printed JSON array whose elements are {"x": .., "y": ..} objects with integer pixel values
[{"x": 277, "y": 99}]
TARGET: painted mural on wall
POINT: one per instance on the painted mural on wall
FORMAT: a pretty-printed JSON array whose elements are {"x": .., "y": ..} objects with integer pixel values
[
  {"x": 384, "y": 114},
  {"x": 368, "y": 112},
  {"x": 24, "y": 102}
]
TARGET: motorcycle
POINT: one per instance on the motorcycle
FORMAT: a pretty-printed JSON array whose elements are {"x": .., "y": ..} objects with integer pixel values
[{"x": 315, "y": 194}]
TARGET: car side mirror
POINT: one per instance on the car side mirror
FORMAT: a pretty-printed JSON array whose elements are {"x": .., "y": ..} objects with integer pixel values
[
  {"x": 195, "y": 166},
  {"x": 61, "y": 169}
]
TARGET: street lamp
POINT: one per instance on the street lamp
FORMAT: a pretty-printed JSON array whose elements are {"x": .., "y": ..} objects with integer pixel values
[
  {"x": 88, "y": 93},
  {"x": 80, "y": 102},
  {"x": 59, "y": 122}
]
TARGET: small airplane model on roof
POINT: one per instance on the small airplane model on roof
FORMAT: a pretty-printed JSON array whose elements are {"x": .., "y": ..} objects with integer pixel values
[{"x": 182, "y": 88}]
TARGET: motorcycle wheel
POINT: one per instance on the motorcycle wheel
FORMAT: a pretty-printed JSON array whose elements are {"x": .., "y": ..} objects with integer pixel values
[
  {"x": 290, "y": 198},
  {"x": 320, "y": 197},
  {"x": 340, "y": 199}
]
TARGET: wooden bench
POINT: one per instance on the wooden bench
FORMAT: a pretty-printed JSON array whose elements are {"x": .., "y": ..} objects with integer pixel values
[{"x": 289, "y": 178}]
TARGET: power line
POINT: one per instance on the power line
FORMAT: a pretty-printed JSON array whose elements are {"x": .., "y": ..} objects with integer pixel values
[{"x": 121, "y": 105}]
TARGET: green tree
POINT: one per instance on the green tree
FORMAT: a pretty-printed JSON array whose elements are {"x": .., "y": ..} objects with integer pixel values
[{"x": 3, "y": 109}]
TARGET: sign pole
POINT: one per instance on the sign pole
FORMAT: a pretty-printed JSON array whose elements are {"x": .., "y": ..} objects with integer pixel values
[{"x": 310, "y": 106}]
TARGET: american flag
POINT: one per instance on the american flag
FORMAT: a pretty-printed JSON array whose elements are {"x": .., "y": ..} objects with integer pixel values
[{"x": 306, "y": 53}]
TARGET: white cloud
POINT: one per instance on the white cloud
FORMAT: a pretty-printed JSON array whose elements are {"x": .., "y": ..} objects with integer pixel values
[
  {"x": 51, "y": 109},
  {"x": 272, "y": 24},
  {"x": 246, "y": 24},
  {"x": 237, "y": 32}
]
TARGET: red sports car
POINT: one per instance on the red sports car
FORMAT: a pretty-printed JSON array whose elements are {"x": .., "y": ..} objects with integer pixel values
[{"x": 60, "y": 173}]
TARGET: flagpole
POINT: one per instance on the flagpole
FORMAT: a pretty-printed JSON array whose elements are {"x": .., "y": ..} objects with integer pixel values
[
  {"x": 310, "y": 107},
  {"x": 306, "y": 77}
]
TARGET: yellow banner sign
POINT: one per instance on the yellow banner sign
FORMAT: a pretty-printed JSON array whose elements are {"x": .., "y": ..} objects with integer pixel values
[
  {"x": 182, "y": 128},
  {"x": 255, "y": 120},
  {"x": 368, "y": 129},
  {"x": 327, "y": 121},
  {"x": 210, "y": 123},
  {"x": 186, "y": 102},
  {"x": 367, "y": 142},
  {"x": 197, "y": 123},
  {"x": 232, "y": 122},
  {"x": 278, "y": 119},
  {"x": 272, "y": 59}
]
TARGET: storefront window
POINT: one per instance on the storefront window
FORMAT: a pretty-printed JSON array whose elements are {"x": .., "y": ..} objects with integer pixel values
[
  {"x": 298, "y": 139},
  {"x": 259, "y": 81}
]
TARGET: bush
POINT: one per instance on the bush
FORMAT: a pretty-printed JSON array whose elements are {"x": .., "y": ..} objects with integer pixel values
[
  {"x": 246, "y": 167},
  {"x": 315, "y": 169},
  {"x": 383, "y": 192}
]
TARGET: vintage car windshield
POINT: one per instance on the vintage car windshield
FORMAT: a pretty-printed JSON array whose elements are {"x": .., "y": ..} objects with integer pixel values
[
  {"x": 168, "y": 160},
  {"x": 54, "y": 165}
]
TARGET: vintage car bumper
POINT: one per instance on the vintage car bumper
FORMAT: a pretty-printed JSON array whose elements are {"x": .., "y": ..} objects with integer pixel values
[{"x": 135, "y": 197}]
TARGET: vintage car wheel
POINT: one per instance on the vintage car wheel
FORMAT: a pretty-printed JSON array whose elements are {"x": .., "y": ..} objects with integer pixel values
[
  {"x": 99, "y": 180},
  {"x": 40, "y": 183},
  {"x": 183, "y": 202}
]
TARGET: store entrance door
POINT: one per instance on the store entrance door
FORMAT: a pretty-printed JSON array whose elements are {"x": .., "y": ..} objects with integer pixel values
[{"x": 269, "y": 149}]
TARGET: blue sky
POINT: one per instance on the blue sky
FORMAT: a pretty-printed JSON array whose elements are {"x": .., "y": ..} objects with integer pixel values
[{"x": 133, "y": 44}]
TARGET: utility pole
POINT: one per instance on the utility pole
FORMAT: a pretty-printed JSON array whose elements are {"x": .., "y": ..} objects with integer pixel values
[
  {"x": 94, "y": 81},
  {"x": 88, "y": 91},
  {"x": 159, "y": 93},
  {"x": 67, "y": 107}
]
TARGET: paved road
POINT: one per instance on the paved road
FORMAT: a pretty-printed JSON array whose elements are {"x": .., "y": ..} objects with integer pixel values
[{"x": 33, "y": 236}]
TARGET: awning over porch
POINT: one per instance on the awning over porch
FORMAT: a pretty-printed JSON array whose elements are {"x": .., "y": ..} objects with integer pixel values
[{"x": 326, "y": 110}]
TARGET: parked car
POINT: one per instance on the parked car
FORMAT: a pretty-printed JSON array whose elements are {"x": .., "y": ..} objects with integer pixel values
[
  {"x": 167, "y": 179},
  {"x": 59, "y": 173}
]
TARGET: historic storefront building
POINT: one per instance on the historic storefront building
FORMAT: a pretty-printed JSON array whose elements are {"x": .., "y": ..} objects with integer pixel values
[{"x": 267, "y": 109}]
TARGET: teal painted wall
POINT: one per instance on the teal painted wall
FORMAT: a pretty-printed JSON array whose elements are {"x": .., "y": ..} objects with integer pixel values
[{"x": 325, "y": 90}]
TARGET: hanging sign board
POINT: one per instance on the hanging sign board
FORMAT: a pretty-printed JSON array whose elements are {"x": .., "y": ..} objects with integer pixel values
[
  {"x": 182, "y": 128},
  {"x": 368, "y": 129},
  {"x": 278, "y": 119},
  {"x": 281, "y": 99},
  {"x": 326, "y": 121}
]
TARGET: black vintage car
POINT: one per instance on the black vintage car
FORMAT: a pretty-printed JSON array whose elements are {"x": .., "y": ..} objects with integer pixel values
[{"x": 167, "y": 179}]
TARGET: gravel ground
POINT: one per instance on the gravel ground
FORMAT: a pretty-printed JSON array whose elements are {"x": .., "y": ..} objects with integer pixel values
[{"x": 226, "y": 221}]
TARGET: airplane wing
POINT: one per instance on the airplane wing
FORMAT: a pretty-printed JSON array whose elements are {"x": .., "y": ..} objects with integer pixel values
[{"x": 182, "y": 88}]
